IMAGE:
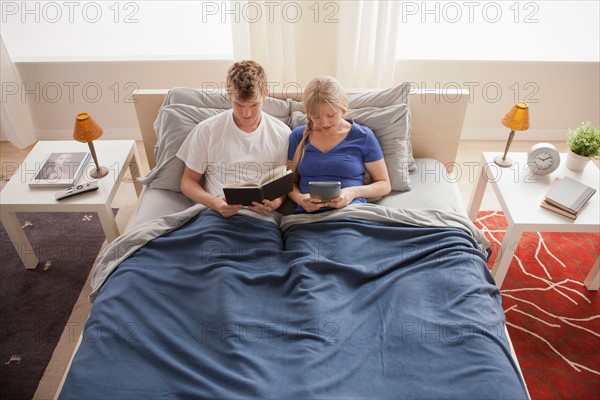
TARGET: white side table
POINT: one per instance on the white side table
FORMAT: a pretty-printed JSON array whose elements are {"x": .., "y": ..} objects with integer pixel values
[
  {"x": 117, "y": 155},
  {"x": 520, "y": 193}
]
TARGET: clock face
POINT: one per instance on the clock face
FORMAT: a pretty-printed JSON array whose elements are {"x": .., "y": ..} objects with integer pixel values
[{"x": 544, "y": 158}]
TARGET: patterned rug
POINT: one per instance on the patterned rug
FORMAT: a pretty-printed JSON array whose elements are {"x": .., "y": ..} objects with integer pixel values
[
  {"x": 35, "y": 305},
  {"x": 553, "y": 320}
]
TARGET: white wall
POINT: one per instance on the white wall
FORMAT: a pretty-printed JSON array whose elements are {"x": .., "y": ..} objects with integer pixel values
[
  {"x": 560, "y": 94},
  {"x": 57, "y": 91},
  {"x": 15, "y": 118}
]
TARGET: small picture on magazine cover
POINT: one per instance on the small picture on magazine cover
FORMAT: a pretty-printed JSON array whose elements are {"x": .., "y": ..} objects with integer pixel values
[{"x": 60, "y": 169}]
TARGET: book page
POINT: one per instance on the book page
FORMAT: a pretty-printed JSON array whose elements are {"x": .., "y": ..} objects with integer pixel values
[
  {"x": 242, "y": 185},
  {"x": 273, "y": 174}
]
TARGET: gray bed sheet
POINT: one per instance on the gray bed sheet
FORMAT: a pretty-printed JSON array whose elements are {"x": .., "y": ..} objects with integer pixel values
[{"x": 432, "y": 188}]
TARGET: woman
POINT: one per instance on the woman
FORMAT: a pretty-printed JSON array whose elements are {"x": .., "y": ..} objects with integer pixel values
[{"x": 330, "y": 148}]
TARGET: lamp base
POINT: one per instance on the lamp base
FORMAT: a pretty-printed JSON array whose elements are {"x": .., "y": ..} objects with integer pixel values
[
  {"x": 503, "y": 162},
  {"x": 99, "y": 172}
]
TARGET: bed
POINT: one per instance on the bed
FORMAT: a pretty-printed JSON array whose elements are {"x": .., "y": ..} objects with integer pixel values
[{"x": 390, "y": 299}]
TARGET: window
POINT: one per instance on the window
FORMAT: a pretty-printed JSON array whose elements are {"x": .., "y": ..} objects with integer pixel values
[
  {"x": 499, "y": 30},
  {"x": 116, "y": 30}
]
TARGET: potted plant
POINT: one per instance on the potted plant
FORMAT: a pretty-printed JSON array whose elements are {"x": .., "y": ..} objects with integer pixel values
[{"x": 584, "y": 144}]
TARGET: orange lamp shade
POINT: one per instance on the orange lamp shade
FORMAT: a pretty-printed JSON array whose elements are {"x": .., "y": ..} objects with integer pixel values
[
  {"x": 86, "y": 129},
  {"x": 517, "y": 119}
]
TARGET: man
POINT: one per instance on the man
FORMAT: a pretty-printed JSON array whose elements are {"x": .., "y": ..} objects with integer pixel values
[{"x": 237, "y": 145}]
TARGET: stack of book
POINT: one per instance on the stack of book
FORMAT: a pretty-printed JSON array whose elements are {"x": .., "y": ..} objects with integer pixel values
[{"x": 567, "y": 196}]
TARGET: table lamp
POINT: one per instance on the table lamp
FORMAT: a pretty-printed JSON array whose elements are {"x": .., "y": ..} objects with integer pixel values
[
  {"x": 517, "y": 119},
  {"x": 86, "y": 131}
]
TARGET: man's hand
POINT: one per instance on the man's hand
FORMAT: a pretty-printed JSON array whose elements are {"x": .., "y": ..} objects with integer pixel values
[
  {"x": 226, "y": 210},
  {"x": 266, "y": 206}
]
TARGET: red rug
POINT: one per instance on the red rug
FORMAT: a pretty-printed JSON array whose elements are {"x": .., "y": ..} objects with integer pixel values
[{"x": 553, "y": 320}]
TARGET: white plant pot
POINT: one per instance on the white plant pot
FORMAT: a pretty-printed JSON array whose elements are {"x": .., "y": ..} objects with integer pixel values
[{"x": 575, "y": 162}]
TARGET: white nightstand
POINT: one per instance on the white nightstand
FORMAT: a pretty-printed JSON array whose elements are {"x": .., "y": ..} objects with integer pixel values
[
  {"x": 117, "y": 155},
  {"x": 520, "y": 193}
]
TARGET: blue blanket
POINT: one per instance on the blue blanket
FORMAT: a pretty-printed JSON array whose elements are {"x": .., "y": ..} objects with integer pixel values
[{"x": 234, "y": 308}]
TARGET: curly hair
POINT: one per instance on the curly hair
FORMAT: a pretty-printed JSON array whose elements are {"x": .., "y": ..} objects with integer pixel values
[{"x": 247, "y": 79}]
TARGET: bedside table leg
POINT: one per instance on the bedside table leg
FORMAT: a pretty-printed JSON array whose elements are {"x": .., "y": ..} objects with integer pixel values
[
  {"x": 592, "y": 281},
  {"x": 505, "y": 254},
  {"x": 477, "y": 195},
  {"x": 134, "y": 170},
  {"x": 19, "y": 239},
  {"x": 109, "y": 224}
]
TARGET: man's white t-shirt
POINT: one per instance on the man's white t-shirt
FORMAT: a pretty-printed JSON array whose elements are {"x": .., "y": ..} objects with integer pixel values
[{"x": 224, "y": 154}]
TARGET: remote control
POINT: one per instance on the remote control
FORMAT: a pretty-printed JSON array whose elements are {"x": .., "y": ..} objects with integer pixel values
[{"x": 75, "y": 190}]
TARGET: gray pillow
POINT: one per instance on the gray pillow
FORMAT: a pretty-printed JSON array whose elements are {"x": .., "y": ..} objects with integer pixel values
[
  {"x": 391, "y": 126},
  {"x": 197, "y": 98},
  {"x": 380, "y": 98},
  {"x": 184, "y": 108},
  {"x": 173, "y": 124},
  {"x": 387, "y": 113},
  {"x": 181, "y": 110},
  {"x": 383, "y": 98},
  {"x": 277, "y": 108}
]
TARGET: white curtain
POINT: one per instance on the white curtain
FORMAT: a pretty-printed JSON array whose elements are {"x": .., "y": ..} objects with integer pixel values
[
  {"x": 352, "y": 40},
  {"x": 16, "y": 123},
  {"x": 367, "y": 51},
  {"x": 267, "y": 39}
]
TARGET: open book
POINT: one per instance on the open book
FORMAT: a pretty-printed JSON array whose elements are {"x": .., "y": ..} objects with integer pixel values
[{"x": 273, "y": 184}]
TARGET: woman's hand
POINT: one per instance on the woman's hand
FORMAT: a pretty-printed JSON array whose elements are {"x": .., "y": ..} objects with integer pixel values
[
  {"x": 345, "y": 198},
  {"x": 309, "y": 204},
  {"x": 312, "y": 204}
]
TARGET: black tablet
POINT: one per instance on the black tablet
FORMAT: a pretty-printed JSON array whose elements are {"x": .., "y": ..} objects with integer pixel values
[{"x": 324, "y": 191}]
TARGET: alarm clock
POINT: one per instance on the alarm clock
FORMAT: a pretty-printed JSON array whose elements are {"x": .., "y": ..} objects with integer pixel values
[{"x": 543, "y": 158}]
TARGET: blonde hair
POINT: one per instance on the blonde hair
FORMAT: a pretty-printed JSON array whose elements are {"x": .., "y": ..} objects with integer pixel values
[
  {"x": 322, "y": 90},
  {"x": 247, "y": 79}
]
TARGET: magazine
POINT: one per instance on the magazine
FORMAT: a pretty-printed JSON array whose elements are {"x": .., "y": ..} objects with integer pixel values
[{"x": 60, "y": 169}]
